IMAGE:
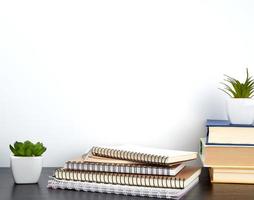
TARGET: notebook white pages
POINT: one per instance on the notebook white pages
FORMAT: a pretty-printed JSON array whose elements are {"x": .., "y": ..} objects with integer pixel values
[
  {"x": 144, "y": 154},
  {"x": 121, "y": 189}
]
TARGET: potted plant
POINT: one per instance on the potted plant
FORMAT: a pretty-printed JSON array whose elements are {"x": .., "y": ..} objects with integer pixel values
[
  {"x": 240, "y": 106},
  {"x": 26, "y": 161}
]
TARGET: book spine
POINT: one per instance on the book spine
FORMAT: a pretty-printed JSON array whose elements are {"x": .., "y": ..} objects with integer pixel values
[
  {"x": 129, "y": 155},
  {"x": 117, "y": 168},
  {"x": 121, "y": 179}
]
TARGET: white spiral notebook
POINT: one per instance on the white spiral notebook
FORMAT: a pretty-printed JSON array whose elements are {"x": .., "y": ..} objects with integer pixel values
[
  {"x": 144, "y": 154},
  {"x": 121, "y": 189}
]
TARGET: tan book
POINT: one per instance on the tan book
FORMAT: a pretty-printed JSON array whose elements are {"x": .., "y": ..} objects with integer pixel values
[
  {"x": 239, "y": 170},
  {"x": 222, "y": 132},
  {"x": 88, "y": 162},
  {"x": 181, "y": 180},
  {"x": 144, "y": 154},
  {"x": 229, "y": 175},
  {"x": 226, "y": 156}
]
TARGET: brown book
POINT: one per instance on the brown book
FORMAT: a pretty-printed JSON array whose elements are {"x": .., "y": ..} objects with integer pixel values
[
  {"x": 88, "y": 162},
  {"x": 226, "y": 156},
  {"x": 229, "y": 175},
  {"x": 181, "y": 180}
]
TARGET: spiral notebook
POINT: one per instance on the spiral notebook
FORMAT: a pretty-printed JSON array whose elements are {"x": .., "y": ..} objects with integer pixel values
[
  {"x": 89, "y": 162},
  {"x": 144, "y": 154},
  {"x": 180, "y": 181},
  {"x": 121, "y": 189}
]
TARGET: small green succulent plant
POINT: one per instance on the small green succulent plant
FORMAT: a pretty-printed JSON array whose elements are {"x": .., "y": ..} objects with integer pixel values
[
  {"x": 27, "y": 149},
  {"x": 236, "y": 89}
]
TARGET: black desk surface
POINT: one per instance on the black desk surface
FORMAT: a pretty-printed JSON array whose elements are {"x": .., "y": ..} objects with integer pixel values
[{"x": 204, "y": 190}]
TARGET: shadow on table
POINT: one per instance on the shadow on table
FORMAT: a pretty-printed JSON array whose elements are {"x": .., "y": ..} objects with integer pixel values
[
  {"x": 25, "y": 191},
  {"x": 239, "y": 191}
]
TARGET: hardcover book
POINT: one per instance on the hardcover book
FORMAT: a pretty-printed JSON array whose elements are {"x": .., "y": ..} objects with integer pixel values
[
  {"x": 233, "y": 156},
  {"x": 228, "y": 175},
  {"x": 224, "y": 133}
]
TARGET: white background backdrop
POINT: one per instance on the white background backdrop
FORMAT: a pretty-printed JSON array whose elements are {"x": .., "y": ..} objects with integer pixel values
[{"x": 79, "y": 73}]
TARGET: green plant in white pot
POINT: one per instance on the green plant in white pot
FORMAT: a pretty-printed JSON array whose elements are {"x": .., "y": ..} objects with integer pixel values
[
  {"x": 240, "y": 106},
  {"x": 26, "y": 161}
]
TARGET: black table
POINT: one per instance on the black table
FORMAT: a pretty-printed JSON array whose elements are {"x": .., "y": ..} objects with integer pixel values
[{"x": 204, "y": 190}]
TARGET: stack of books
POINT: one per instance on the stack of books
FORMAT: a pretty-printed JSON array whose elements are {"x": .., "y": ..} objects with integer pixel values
[
  {"x": 228, "y": 151},
  {"x": 129, "y": 170}
]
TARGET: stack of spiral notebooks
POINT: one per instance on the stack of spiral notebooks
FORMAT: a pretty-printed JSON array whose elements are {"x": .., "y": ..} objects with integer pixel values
[{"x": 129, "y": 170}]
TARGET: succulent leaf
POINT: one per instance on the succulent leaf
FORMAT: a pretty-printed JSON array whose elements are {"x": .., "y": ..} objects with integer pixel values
[{"x": 27, "y": 149}]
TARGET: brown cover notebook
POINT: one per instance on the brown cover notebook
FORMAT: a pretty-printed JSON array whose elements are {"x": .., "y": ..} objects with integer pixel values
[
  {"x": 88, "y": 162},
  {"x": 181, "y": 180}
]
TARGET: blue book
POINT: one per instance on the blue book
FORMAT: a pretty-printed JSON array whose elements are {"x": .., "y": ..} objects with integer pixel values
[
  {"x": 222, "y": 132},
  {"x": 223, "y": 123}
]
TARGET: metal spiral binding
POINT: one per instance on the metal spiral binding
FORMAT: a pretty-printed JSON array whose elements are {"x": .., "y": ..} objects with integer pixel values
[
  {"x": 123, "y": 179},
  {"x": 129, "y": 155}
]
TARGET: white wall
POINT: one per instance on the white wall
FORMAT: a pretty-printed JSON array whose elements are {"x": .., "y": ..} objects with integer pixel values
[{"x": 79, "y": 73}]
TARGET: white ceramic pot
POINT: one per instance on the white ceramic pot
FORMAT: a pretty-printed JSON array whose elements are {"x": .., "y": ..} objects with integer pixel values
[
  {"x": 26, "y": 170},
  {"x": 240, "y": 110}
]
